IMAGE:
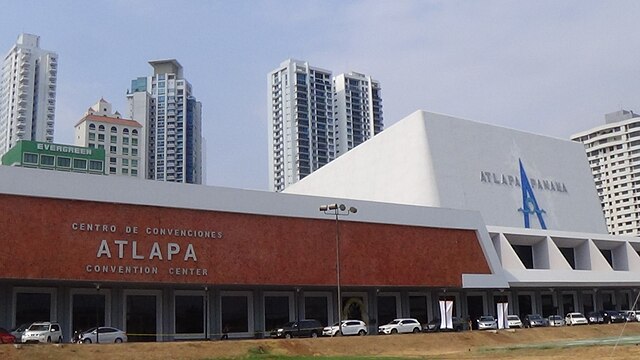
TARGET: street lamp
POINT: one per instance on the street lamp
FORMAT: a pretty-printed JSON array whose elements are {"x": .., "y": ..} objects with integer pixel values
[
  {"x": 337, "y": 210},
  {"x": 97, "y": 313}
]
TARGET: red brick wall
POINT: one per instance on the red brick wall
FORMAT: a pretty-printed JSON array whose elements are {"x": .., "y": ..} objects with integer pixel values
[{"x": 37, "y": 241}]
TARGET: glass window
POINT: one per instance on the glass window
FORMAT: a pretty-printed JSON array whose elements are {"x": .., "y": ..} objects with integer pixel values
[
  {"x": 125, "y": 162},
  {"x": 276, "y": 311},
  {"x": 80, "y": 164},
  {"x": 189, "y": 312},
  {"x": 29, "y": 158},
  {"x": 114, "y": 130},
  {"x": 125, "y": 151},
  {"x": 92, "y": 136},
  {"x": 315, "y": 307},
  {"x": 114, "y": 139},
  {"x": 125, "y": 131},
  {"x": 235, "y": 314},
  {"x": 101, "y": 128},
  {"x": 125, "y": 141},
  {"x": 92, "y": 145},
  {"x": 112, "y": 149},
  {"x": 32, "y": 307},
  {"x": 64, "y": 162},
  {"x": 100, "y": 146},
  {"x": 112, "y": 170},
  {"x": 134, "y": 142},
  {"x": 100, "y": 137},
  {"x": 47, "y": 160},
  {"x": 112, "y": 161},
  {"x": 87, "y": 310},
  {"x": 92, "y": 126},
  {"x": 125, "y": 171},
  {"x": 134, "y": 152},
  {"x": 134, "y": 132},
  {"x": 134, "y": 163},
  {"x": 95, "y": 165},
  {"x": 134, "y": 172}
]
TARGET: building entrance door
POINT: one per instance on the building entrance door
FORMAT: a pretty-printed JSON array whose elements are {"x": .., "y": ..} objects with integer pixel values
[{"x": 142, "y": 318}]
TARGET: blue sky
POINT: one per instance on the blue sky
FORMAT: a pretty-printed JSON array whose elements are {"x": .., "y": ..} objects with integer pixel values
[{"x": 548, "y": 67}]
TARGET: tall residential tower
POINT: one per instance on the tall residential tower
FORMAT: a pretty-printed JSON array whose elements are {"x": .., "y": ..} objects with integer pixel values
[
  {"x": 27, "y": 93},
  {"x": 171, "y": 117},
  {"x": 314, "y": 118},
  {"x": 613, "y": 151}
]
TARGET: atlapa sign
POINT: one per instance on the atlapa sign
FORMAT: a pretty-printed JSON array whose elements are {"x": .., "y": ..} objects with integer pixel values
[
  {"x": 528, "y": 185},
  {"x": 130, "y": 250}
]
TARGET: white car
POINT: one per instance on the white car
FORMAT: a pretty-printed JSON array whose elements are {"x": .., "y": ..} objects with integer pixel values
[
  {"x": 575, "y": 319},
  {"x": 42, "y": 332},
  {"x": 514, "y": 321},
  {"x": 349, "y": 327},
  {"x": 105, "y": 335},
  {"x": 556, "y": 320},
  {"x": 487, "y": 322},
  {"x": 400, "y": 326}
]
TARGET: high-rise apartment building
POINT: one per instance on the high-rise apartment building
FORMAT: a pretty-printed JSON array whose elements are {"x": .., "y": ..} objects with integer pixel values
[
  {"x": 613, "y": 151},
  {"x": 358, "y": 110},
  {"x": 123, "y": 140},
  {"x": 171, "y": 116},
  {"x": 27, "y": 93},
  {"x": 314, "y": 118}
]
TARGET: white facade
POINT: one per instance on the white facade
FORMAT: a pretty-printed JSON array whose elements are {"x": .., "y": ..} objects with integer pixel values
[
  {"x": 358, "y": 108},
  {"x": 314, "y": 118},
  {"x": 430, "y": 159},
  {"x": 27, "y": 93},
  {"x": 613, "y": 151},
  {"x": 172, "y": 117},
  {"x": 122, "y": 139}
]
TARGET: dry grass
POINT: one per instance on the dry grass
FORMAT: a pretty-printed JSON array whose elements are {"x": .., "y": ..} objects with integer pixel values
[{"x": 509, "y": 344}]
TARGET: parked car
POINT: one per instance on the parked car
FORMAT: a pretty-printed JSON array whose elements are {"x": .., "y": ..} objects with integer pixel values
[
  {"x": 487, "y": 322},
  {"x": 18, "y": 331},
  {"x": 349, "y": 327},
  {"x": 457, "y": 324},
  {"x": 514, "y": 321},
  {"x": 42, "y": 332},
  {"x": 400, "y": 326},
  {"x": 104, "y": 335},
  {"x": 556, "y": 320},
  {"x": 301, "y": 328},
  {"x": 575, "y": 318},
  {"x": 6, "y": 337},
  {"x": 630, "y": 315},
  {"x": 595, "y": 317},
  {"x": 534, "y": 320},
  {"x": 613, "y": 316}
]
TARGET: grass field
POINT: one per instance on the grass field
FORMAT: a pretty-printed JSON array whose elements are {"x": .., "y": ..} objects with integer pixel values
[{"x": 588, "y": 342}]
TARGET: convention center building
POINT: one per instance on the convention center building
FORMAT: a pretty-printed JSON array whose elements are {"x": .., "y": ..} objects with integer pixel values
[{"x": 436, "y": 209}]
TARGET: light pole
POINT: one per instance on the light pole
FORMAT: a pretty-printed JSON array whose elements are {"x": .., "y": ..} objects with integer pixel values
[
  {"x": 337, "y": 210},
  {"x": 97, "y": 314}
]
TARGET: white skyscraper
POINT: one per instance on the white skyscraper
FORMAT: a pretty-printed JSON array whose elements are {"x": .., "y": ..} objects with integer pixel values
[
  {"x": 122, "y": 139},
  {"x": 358, "y": 110},
  {"x": 311, "y": 121},
  {"x": 27, "y": 93},
  {"x": 171, "y": 116},
  {"x": 613, "y": 151}
]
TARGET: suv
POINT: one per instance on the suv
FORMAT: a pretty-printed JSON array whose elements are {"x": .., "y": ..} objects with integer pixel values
[
  {"x": 301, "y": 328},
  {"x": 399, "y": 326},
  {"x": 42, "y": 332},
  {"x": 613, "y": 316}
]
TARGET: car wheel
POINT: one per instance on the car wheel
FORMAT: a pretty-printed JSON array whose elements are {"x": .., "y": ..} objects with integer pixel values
[
  {"x": 49, "y": 339},
  {"x": 394, "y": 331},
  {"x": 314, "y": 334},
  {"x": 287, "y": 336},
  {"x": 416, "y": 330},
  {"x": 362, "y": 333},
  {"x": 118, "y": 341},
  {"x": 86, "y": 341},
  {"x": 59, "y": 340}
]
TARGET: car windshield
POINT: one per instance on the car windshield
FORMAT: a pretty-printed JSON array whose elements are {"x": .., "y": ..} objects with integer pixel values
[
  {"x": 486, "y": 318},
  {"x": 21, "y": 328},
  {"x": 289, "y": 324},
  {"x": 512, "y": 317},
  {"x": 535, "y": 317},
  {"x": 554, "y": 317},
  {"x": 393, "y": 322},
  {"x": 39, "y": 327}
]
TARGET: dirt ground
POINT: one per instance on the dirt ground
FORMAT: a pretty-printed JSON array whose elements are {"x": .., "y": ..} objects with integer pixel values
[{"x": 548, "y": 343}]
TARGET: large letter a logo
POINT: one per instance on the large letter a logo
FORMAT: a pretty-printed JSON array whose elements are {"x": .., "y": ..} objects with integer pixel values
[{"x": 529, "y": 203}]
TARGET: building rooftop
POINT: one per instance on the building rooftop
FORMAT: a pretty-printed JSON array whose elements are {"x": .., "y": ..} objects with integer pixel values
[{"x": 110, "y": 120}]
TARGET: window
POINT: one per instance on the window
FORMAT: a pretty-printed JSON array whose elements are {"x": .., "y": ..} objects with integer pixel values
[
  {"x": 125, "y": 131},
  {"x": 125, "y": 171},
  {"x": 134, "y": 172},
  {"x": 95, "y": 165},
  {"x": 134, "y": 163},
  {"x": 189, "y": 314},
  {"x": 114, "y": 139},
  {"x": 112, "y": 149},
  {"x": 101, "y": 128},
  {"x": 100, "y": 146},
  {"x": 134, "y": 152},
  {"x": 125, "y": 162},
  {"x": 125, "y": 141},
  {"x": 112, "y": 161},
  {"x": 134, "y": 132},
  {"x": 80, "y": 164},
  {"x": 112, "y": 170},
  {"x": 64, "y": 162},
  {"x": 101, "y": 137},
  {"x": 92, "y": 136},
  {"x": 114, "y": 130},
  {"x": 125, "y": 151},
  {"x": 29, "y": 158},
  {"x": 47, "y": 160},
  {"x": 92, "y": 126},
  {"x": 134, "y": 142}
]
